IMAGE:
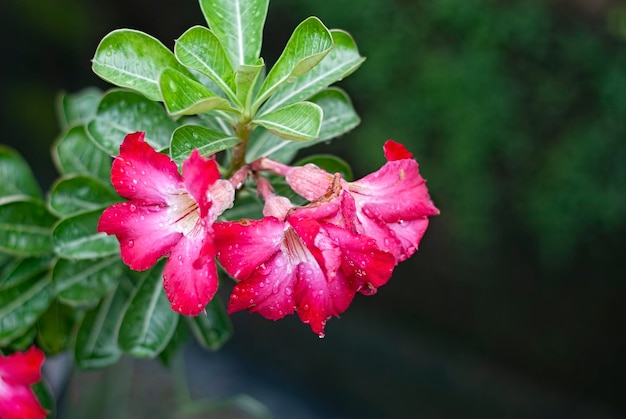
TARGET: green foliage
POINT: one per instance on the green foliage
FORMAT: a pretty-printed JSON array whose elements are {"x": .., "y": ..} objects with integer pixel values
[{"x": 62, "y": 283}]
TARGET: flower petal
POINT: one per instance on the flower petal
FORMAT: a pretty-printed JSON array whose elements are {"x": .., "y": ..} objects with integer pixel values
[
  {"x": 199, "y": 174},
  {"x": 243, "y": 245},
  {"x": 363, "y": 263},
  {"x": 319, "y": 299},
  {"x": 22, "y": 367},
  {"x": 394, "y": 192},
  {"x": 143, "y": 174},
  {"x": 268, "y": 291},
  {"x": 17, "y": 372},
  {"x": 19, "y": 402},
  {"x": 309, "y": 181},
  {"x": 145, "y": 233},
  {"x": 190, "y": 275},
  {"x": 396, "y": 151}
]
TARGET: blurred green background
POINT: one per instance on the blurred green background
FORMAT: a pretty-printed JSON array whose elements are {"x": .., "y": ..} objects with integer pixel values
[{"x": 516, "y": 111}]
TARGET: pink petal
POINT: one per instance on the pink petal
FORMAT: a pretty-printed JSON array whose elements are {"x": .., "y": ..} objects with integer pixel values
[
  {"x": 409, "y": 233},
  {"x": 17, "y": 372},
  {"x": 244, "y": 245},
  {"x": 319, "y": 299},
  {"x": 396, "y": 151},
  {"x": 268, "y": 291},
  {"x": 309, "y": 181},
  {"x": 394, "y": 192},
  {"x": 190, "y": 275},
  {"x": 22, "y": 367},
  {"x": 363, "y": 263},
  {"x": 19, "y": 402},
  {"x": 143, "y": 174},
  {"x": 145, "y": 233},
  {"x": 199, "y": 174}
]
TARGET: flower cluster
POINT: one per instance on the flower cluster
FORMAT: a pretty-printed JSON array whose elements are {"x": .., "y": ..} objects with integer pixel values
[
  {"x": 310, "y": 259},
  {"x": 17, "y": 373}
]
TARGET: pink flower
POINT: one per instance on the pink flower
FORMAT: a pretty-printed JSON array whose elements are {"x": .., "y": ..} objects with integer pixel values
[
  {"x": 391, "y": 205},
  {"x": 302, "y": 264},
  {"x": 168, "y": 214},
  {"x": 17, "y": 373}
]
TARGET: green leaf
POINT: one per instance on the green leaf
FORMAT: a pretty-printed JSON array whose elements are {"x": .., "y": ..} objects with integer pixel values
[
  {"x": 308, "y": 45},
  {"x": 149, "y": 322},
  {"x": 17, "y": 178},
  {"x": 20, "y": 269},
  {"x": 133, "y": 59},
  {"x": 24, "y": 341},
  {"x": 22, "y": 304},
  {"x": 342, "y": 60},
  {"x": 199, "y": 48},
  {"x": 78, "y": 108},
  {"x": 185, "y": 96},
  {"x": 46, "y": 398},
  {"x": 75, "y": 153},
  {"x": 96, "y": 340},
  {"x": 339, "y": 118},
  {"x": 330, "y": 163},
  {"x": 298, "y": 122},
  {"x": 339, "y": 114},
  {"x": 170, "y": 353},
  {"x": 217, "y": 121},
  {"x": 76, "y": 237},
  {"x": 73, "y": 194},
  {"x": 189, "y": 137},
  {"x": 85, "y": 282},
  {"x": 212, "y": 329},
  {"x": 121, "y": 113},
  {"x": 55, "y": 328},
  {"x": 25, "y": 227},
  {"x": 238, "y": 24},
  {"x": 246, "y": 80}
]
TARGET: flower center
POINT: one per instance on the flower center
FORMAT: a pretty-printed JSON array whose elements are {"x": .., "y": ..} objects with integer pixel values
[
  {"x": 184, "y": 212},
  {"x": 296, "y": 250}
]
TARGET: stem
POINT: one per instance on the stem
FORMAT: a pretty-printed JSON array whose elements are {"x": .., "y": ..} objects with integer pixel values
[{"x": 238, "y": 158}]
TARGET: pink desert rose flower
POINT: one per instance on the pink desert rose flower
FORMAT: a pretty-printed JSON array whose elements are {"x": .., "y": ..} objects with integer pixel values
[
  {"x": 391, "y": 205},
  {"x": 17, "y": 373},
  {"x": 168, "y": 214},
  {"x": 301, "y": 264}
]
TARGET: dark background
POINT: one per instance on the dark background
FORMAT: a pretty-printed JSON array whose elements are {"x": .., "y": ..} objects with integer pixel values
[{"x": 516, "y": 111}]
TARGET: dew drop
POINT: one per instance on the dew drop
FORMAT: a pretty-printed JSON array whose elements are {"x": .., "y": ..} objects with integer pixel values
[{"x": 131, "y": 243}]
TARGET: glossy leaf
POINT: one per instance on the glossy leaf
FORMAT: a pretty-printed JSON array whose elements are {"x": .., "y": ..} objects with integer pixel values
[
  {"x": 24, "y": 340},
  {"x": 85, "y": 282},
  {"x": 342, "y": 60},
  {"x": 246, "y": 80},
  {"x": 78, "y": 108},
  {"x": 76, "y": 237},
  {"x": 339, "y": 118},
  {"x": 121, "y": 113},
  {"x": 238, "y": 24},
  {"x": 22, "y": 304},
  {"x": 46, "y": 398},
  {"x": 75, "y": 153},
  {"x": 73, "y": 194},
  {"x": 212, "y": 329},
  {"x": 25, "y": 227},
  {"x": 20, "y": 269},
  {"x": 55, "y": 328},
  {"x": 189, "y": 137},
  {"x": 199, "y": 48},
  {"x": 133, "y": 59},
  {"x": 308, "y": 45},
  {"x": 298, "y": 122},
  {"x": 330, "y": 163},
  {"x": 17, "y": 177},
  {"x": 96, "y": 340},
  {"x": 185, "y": 96},
  {"x": 217, "y": 121},
  {"x": 149, "y": 322}
]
